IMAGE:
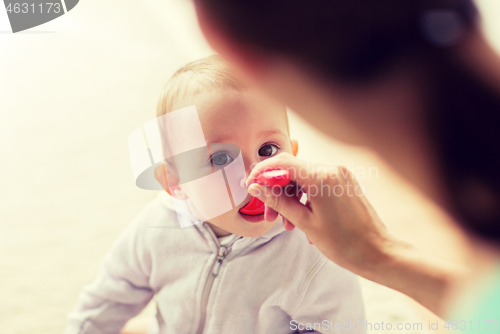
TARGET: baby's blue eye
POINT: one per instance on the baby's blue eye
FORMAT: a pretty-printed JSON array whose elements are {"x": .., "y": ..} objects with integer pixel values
[
  {"x": 221, "y": 159},
  {"x": 268, "y": 150}
]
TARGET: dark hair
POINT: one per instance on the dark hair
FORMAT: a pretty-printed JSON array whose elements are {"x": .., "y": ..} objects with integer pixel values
[
  {"x": 464, "y": 122},
  {"x": 346, "y": 39},
  {"x": 355, "y": 40}
]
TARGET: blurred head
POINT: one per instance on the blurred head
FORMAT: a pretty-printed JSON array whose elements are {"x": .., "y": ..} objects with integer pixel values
[
  {"x": 347, "y": 40},
  {"x": 286, "y": 47},
  {"x": 234, "y": 119},
  {"x": 388, "y": 74}
]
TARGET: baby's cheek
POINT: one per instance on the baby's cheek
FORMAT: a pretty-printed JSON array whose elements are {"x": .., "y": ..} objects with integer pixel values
[
  {"x": 209, "y": 195},
  {"x": 227, "y": 219}
]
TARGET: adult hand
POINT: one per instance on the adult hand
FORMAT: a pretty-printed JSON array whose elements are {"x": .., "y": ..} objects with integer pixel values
[
  {"x": 341, "y": 222},
  {"x": 337, "y": 218}
]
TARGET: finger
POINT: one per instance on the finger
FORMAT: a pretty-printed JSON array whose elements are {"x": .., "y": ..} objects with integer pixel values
[
  {"x": 290, "y": 190},
  {"x": 288, "y": 226},
  {"x": 287, "y": 206},
  {"x": 270, "y": 214},
  {"x": 298, "y": 169},
  {"x": 281, "y": 161}
]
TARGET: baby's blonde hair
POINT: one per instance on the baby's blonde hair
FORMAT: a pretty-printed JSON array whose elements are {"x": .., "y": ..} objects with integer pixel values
[{"x": 203, "y": 75}]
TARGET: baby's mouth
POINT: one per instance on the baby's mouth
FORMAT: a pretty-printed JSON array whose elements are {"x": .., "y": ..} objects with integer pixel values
[{"x": 254, "y": 208}]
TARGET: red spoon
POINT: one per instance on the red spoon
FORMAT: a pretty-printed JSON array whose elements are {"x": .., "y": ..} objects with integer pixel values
[
  {"x": 273, "y": 178},
  {"x": 254, "y": 208}
]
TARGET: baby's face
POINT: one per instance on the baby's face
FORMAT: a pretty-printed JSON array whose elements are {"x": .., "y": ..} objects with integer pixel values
[{"x": 253, "y": 123}]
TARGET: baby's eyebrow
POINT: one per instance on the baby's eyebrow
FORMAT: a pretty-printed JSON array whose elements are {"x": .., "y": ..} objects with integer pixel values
[
  {"x": 264, "y": 133},
  {"x": 271, "y": 132}
]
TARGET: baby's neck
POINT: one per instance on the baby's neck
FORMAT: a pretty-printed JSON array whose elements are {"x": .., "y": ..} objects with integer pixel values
[{"x": 218, "y": 231}]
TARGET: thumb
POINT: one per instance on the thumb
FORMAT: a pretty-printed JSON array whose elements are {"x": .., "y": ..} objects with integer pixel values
[{"x": 277, "y": 199}]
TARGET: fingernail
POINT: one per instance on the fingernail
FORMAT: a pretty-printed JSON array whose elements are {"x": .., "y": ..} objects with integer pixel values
[
  {"x": 249, "y": 181},
  {"x": 254, "y": 190}
]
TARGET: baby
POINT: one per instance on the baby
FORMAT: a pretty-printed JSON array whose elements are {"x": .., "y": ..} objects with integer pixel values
[{"x": 231, "y": 273}]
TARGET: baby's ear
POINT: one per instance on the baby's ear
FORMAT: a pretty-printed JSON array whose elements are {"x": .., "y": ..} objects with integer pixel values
[
  {"x": 165, "y": 175},
  {"x": 295, "y": 147}
]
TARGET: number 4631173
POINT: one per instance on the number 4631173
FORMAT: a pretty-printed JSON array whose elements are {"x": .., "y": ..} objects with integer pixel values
[
  {"x": 473, "y": 325},
  {"x": 47, "y": 7}
]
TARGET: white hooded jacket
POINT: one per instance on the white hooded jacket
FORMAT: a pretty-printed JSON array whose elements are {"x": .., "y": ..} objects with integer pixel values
[{"x": 275, "y": 283}]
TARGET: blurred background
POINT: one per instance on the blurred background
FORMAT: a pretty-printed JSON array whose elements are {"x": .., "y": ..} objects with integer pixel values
[{"x": 71, "y": 91}]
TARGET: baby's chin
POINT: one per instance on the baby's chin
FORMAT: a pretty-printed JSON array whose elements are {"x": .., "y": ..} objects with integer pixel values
[{"x": 243, "y": 225}]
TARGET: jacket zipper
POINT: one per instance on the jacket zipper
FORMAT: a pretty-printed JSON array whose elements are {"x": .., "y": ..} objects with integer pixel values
[{"x": 221, "y": 255}]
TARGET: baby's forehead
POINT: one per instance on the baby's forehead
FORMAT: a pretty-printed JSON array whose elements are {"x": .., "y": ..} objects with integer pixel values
[
  {"x": 224, "y": 114},
  {"x": 240, "y": 109}
]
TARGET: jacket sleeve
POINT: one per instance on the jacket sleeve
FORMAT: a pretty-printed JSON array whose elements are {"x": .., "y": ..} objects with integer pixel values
[
  {"x": 120, "y": 291},
  {"x": 330, "y": 303}
]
